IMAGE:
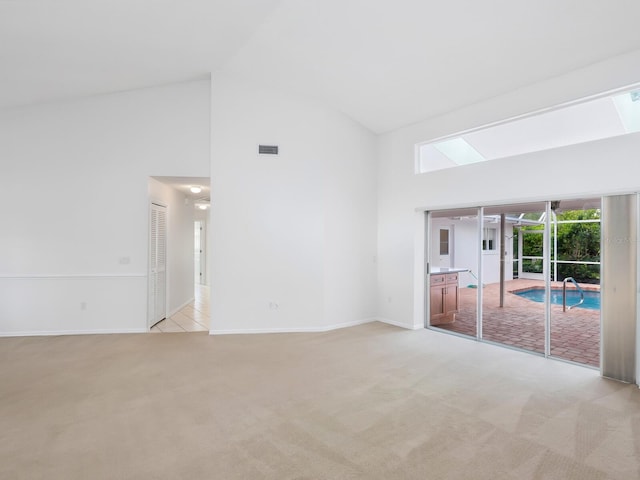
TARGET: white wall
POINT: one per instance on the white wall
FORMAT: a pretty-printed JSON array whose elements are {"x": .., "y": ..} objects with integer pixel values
[
  {"x": 74, "y": 203},
  {"x": 586, "y": 170},
  {"x": 466, "y": 245},
  {"x": 591, "y": 169},
  {"x": 201, "y": 215},
  {"x": 491, "y": 259},
  {"x": 180, "y": 242},
  {"x": 464, "y": 248},
  {"x": 350, "y": 218},
  {"x": 293, "y": 237}
]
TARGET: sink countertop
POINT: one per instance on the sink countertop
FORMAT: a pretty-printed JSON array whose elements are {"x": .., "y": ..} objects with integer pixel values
[{"x": 440, "y": 270}]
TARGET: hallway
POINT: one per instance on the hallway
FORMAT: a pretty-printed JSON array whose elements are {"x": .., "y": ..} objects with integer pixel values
[{"x": 192, "y": 318}]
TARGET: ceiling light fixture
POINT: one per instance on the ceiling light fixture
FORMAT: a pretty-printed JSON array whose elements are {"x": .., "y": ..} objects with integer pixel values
[
  {"x": 202, "y": 207},
  {"x": 195, "y": 189}
]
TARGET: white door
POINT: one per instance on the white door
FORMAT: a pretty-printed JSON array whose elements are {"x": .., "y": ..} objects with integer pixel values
[
  {"x": 531, "y": 251},
  {"x": 197, "y": 229},
  {"x": 199, "y": 252},
  {"x": 157, "y": 264}
]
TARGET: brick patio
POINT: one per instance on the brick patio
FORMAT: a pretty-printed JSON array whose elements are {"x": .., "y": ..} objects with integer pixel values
[{"x": 575, "y": 334}]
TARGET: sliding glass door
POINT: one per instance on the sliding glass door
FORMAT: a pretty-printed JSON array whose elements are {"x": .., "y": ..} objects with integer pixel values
[
  {"x": 526, "y": 276},
  {"x": 575, "y": 292},
  {"x": 513, "y": 312},
  {"x": 452, "y": 281}
]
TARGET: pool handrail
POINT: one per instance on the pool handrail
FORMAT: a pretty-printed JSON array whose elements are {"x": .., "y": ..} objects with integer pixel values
[{"x": 564, "y": 294}]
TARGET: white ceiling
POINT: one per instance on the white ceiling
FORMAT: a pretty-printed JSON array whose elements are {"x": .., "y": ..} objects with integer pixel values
[
  {"x": 386, "y": 64},
  {"x": 53, "y": 49}
]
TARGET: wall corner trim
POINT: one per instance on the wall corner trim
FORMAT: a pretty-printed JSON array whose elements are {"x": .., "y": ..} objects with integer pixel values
[{"x": 399, "y": 324}]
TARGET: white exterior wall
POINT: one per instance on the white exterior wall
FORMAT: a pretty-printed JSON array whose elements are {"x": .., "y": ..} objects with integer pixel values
[
  {"x": 74, "y": 202},
  {"x": 491, "y": 259},
  {"x": 293, "y": 237},
  {"x": 465, "y": 250}
]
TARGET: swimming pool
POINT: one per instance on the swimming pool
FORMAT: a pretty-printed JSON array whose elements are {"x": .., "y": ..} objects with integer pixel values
[{"x": 591, "y": 298}]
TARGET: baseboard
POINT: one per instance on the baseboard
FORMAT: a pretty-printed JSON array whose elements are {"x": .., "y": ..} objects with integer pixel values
[
  {"x": 337, "y": 326},
  {"x": 326, "y": 328},
  {"x": 398, "y": 324},
  {"x": 71, "y": 332},
  {"x": 173, "y": 312}
]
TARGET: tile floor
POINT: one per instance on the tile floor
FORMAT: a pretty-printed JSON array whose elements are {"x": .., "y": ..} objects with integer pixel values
[
  {"x": 575, "y": 334},
  {"x": 192, "y": 318}
]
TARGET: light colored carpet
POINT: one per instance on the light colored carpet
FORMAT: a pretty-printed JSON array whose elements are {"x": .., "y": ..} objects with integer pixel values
[{"x": 369, "y": 402}]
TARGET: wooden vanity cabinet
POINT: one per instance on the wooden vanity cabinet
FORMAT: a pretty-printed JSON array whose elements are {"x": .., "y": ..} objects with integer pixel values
[{"x": 443, "y": 298}]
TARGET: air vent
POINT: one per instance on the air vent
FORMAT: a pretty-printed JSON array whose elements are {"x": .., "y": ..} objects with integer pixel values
[{"x": 267, "y": 149}]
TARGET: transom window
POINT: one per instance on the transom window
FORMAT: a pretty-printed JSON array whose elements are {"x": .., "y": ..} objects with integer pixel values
[{"x": 592, "y": 120}]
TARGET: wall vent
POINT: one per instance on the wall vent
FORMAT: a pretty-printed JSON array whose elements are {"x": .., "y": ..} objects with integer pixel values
[{"x": 267, "y": 149}]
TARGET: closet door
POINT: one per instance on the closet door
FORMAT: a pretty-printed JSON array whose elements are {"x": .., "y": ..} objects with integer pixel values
[{"x": 157, "y": 264}]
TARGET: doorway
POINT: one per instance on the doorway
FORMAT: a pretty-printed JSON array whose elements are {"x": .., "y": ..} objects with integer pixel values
[
  {"x": 517, "y": 269},
  {"x": 531, "y": 251},
  {"x": 185, "y": 237},
  {"x": 452, "y": 280}
]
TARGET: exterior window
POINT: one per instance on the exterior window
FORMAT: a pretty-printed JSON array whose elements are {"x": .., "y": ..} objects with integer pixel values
[
  {"x": 444, "y": 242},
  {"x": 489, "y": 239}
]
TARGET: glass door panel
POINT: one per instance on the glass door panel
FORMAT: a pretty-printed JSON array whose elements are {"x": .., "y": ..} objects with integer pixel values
[
  {"x": 575, "y": 293},
  {"x": 513, "y": 309},
  {"x": 532, "y": 262},
  {"x": 452, "y": 286}
]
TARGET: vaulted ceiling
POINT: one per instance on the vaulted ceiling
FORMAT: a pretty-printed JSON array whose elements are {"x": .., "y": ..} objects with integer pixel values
[{"x": 384, "y": 63}]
